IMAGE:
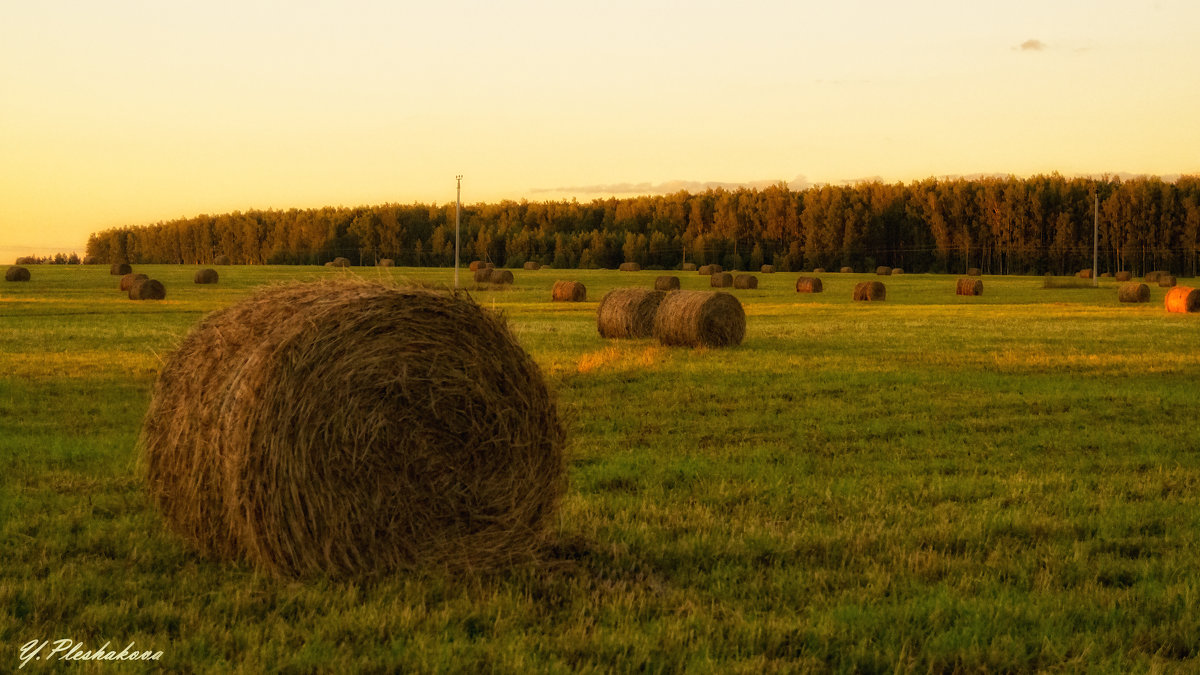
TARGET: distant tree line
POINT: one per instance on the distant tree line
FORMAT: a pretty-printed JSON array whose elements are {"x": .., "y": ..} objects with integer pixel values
[
  {"x": 56, "y": 259},
  {"x": 1000, "y": 225}
]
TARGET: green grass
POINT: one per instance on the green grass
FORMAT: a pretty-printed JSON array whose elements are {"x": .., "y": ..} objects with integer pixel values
[{"x": 935, "y": 483}]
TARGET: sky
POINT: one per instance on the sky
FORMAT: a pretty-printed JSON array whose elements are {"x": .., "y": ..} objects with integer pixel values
[{"x": 124, "y": 112}]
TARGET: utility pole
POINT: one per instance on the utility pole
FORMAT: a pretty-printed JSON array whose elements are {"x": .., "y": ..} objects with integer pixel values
[
  {"x": 1096, "y": 239},
  {"x": 457, "y": 209}
]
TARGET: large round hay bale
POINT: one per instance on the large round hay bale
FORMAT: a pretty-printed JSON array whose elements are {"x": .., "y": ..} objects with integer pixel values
[
  {"x": 688, "y": 267},
  {"x": 128, "y": 280},
  {"x": 969, "y": 287},
  {"x": 532, "y": 265},
  {"x": 720, "y": 279},
  {"x": 147, "y": 289},
  {"x": 897, "y": 270},
  {"x": 700, "y": 319},
  {"x": 205, "y": 276},
  {"x": 16, "y": 273},
  {"x": 1183, "y": 299},
  {"x": 745, "y": 281},
  {"x": 1152, "y": 277},
  {"x": 386, "y": 262},
  {"x": 705, "y": 270},
  {"x": 973, "y": 272},
  {"x": 1124, "y": 276},
  {"x": 809, "y": 285},
  {"x": 1084, "y": 274},
  {"x": 502, "y": 277},
  {"x": 883, "y": 270},
  {"x": 870, "y": 291},
  {"x": 767, "y": 269},
  {"x": 339, "y": 262},
  {"x": 630, "y": 267},
  {"x": 1166, "y": 281},
  {"x": 666, "y": 283},
  {"x": 222, "y": 260},
  {"x": 818, "y": 270},
  {"x": 568, "y": 291},
  {"x": 348, "y": 429},
  {"x": 1133, "y": 292},
  {"x": 846, "y": 270},
  {"x": 476, "y": 265},
  {"x": 628, "y": 312},
  {"x": 118, "y": 269}
]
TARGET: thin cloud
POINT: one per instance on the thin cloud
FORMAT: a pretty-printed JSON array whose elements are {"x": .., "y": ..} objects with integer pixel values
[
  {"x": 1033, "y": 45},
  {"x": 667, "y": 187}
]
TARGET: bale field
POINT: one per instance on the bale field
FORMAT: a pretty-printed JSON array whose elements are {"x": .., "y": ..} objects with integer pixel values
[
  {"x": 630, "y": 267},
  {"x": 869, "y": 291},
  {"x": 205, "y": 276},
  {"x": 666, "y": 282},
  {"x": 809, "y": 285},
  {"x": 745, "y": 281},
  {"x": 720, "y": 280},
  {"x": 628, "y": 312},
  {"x": 969, "y": 287},
  {"x": 147, "y": 289},
  {"x": 128, "y": 280},
  {"x": 16, "y": 273},
  {"x": 700, "y": 319},
  {"x": 568, "y": 291},
  {"x": 1183, "y": 299},
  {"x": 1133, "y": 292}
]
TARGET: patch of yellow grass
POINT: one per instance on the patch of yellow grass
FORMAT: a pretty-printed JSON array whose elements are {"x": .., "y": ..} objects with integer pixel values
[
  {"x": 83, "y": 363},
  {"x": 620, "y": 358}
]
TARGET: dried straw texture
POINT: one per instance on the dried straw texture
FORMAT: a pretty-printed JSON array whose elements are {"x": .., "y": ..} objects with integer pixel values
[
  {"x": 767, "y": 269},
  {"x": 386, "y": 262},
  {"x": 128, "y": 280},
  {"x": 119, "y": 269},
  {"x": 568, "y": 291},
  {"x": 720, "y": 280},
  {"x": 350, "y": 429},
  {"x": 688, "y": 267},
  {"x": 206, "y": 276},
  {"x": 1183, "y": 299},
  {"x": 1084, "y": 274},
  {"x": 1152, "y": 277},
  {"x": 532, "y": 265},
  {"x": 628, "y": 312},
  {"x": 666, "y": 283},
  {"x": 16, "y": 273},
  {"x": 969, "y": 287},
  {"x": 870, "y": 291},
  {"x": 973, "y": 272},
  {"x": 745, "y": 281},
  {"x": 700, "y": 319},
  {"x": 809, "y": 285},
  {"x": 883, "y": 270},
  {"x": 847, "y": 270},
  {"x": 1133, "y": 292},
  {"x": 818, "y": 270},
  {"x": 339, "y": 262},
  {"x": 147, "y": 289},
  {"x": 630, "y": 267},
  {"x": 1166, "y": 281},
  {"x": 221, "y": 260},
  {"x": 1124, "y": 276}
]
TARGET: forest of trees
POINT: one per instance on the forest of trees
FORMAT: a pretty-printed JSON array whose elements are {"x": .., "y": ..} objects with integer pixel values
[{"x": 1001, "y": 225}]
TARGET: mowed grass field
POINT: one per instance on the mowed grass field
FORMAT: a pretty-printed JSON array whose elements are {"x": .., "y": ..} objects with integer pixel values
[{"x": 1005, "y": 483}]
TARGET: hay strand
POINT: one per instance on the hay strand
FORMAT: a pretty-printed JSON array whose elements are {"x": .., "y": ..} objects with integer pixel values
[
  {"x": 700, "y": 319},
  {"x": 628, "y": 312}
]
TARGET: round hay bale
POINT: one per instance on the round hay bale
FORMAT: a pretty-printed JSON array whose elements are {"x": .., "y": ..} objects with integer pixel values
[
  {"x": 349, "y": 429},
  {"x": 1105, "y": 275},
  {"x": 500, "y": 277},
  {"x": 720, "y": 279},
  {"x": 745, "y": 281},
  {"x": 666, "y": 283},
  {"x": 532, "y": 265},
  {"x": 715, "y": 268},
  {"x": 700, "y": 319},
  {"x": 128, "y": 280},
  {"x": 206, "y": 276},
  {"x": 705, "y": 270},
  {"x": 568, "y": 291},
  {"x": 847, "y": 270},
  {"x": 883, "y": 270},
  {"x": 969, "y": 287},
  {"x": 630, "y": 267},
  {"x": 1124, "y": 276},
  {"x": 809, "y": 285},
  {"x": 222, "y": 260},
  {"x": 818, "y": 270},
  {"x": 628, "y": 312},
  {"x": 386, "y": 262},
  {"x": 476, "y": 265},
  {"x": 767, "y": 269},
  {"x": 897, "y": 270},
  {"x": 1166, "y": 281},
  {"x": 1133, "y": 292},
  {"x": 16, "y": 273},
  {"x": 973, "y": 272},
  {"x": 688, "y": 267},
  {"x": 482, "y": 275},
  {"x": 329, "y": 264},
  {"x": 118, "y": 269},
  {"x": 1183, "y": 299},
  {"x": 1152, "y": 277},
  {"x": 1084, "y": 274},
  {"x": 339, "y": 262},
  {"x": 147, "y": 289},
  {"x": 870, "y": 291}
]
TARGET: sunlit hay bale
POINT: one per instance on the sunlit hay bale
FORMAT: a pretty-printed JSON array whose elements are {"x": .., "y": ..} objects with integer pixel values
[
  {"x": 386, "y": 262},
  {"x": 1124, "y": 276},
  {"x": 16, "y": 273},
  {"x": 688, "y": 267},
  {"x": 128, "y": 280},
  {"x": 720, "y": 279},
  {"x": 745, "y": 281},
  {"x": 666, "y": 283},
  {"x": 767, "y": 269},
  {"x": 846, "y": 270},
  {"x": 1084, "y": 274},
  {"x": 118, "y": 269},
  {"x": 89, "y": 260},
  {"x": 532, "y": 265},
  {"x": 205, "y": 276},
  {"x": 818, "y": 270},
  {"x": 809, "y": 285},
  {"x": 1183, "y": 299},
  {"x": 1166, "y": 281},
  {"x": 476, "y": 265},
  {"x": 897, "y": 270},
  {"x": 347, "y": 429},
  {"x": 630, "y": 267},
  {"x": 339, "y": 262},
  {"x": 1133, "y": 292},
  {"x": 870, "y": 291},
  {"x": 700, "y": 319},
  {"x": 222, "y": 260},
  {"x": 1152, "y": 277},
  {"x": 973, "y": 272},
  {"x": 482, "y": 275},
  {"x": 147, "y": 289},
  {"x": 568, "y": 291},
  {"x": 499, "y": 277},
  {"x": 628, "y": 312},
  {"x": 705, "y": 270},
  {"x": 969, "y": 287},
  {"x": 883, "y": 270},
  {"x": 1105, "y": 275}
]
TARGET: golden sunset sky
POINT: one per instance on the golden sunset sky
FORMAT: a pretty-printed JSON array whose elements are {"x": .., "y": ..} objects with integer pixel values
[{"x": 119, "y": 112}]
